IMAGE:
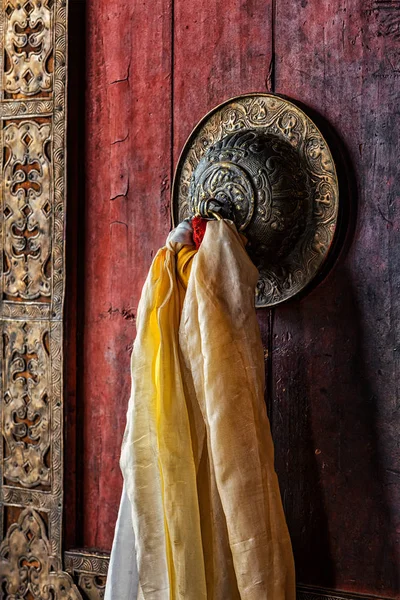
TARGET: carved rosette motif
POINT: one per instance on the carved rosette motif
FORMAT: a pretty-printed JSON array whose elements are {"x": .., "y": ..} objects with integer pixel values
[
  {"x": 32, "y": 133},
  {"x": 273, "y": 118}
]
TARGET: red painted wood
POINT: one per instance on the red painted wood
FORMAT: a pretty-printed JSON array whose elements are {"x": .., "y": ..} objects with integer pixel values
[
  {"x": 128, "y": 166},
  {"x": 221, "y": 49},
  {"x": 153, "y": 70},
  {"x": 335, "y": 357},
  {"x": 127, "y": 218}
]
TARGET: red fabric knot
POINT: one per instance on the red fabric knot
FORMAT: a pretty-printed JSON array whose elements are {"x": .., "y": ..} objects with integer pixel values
[{"x": 199, "y": 228}]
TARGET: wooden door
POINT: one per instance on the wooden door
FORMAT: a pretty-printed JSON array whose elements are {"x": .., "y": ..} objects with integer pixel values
[{"x": 153, "y": 69}]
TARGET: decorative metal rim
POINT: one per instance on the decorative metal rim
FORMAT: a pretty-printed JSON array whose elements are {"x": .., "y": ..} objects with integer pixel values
[{"x": 272, "y": 114}]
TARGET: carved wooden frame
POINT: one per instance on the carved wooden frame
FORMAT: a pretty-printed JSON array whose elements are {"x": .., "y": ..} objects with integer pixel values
[
  {"x": 89, "y": 569},
  {"x": 33, "y": 74}
]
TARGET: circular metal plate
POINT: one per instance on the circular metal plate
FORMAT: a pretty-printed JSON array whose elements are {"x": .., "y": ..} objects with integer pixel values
[{"x": 281, "y": 277}]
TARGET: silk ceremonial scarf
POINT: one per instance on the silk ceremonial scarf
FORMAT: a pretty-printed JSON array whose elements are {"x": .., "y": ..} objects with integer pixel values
[{"x": 201, "y": 515}]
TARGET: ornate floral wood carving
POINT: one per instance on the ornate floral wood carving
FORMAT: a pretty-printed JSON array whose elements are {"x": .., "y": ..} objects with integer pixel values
[
  {"x": 89, "y": 570},
  {"x": 29, "y": 28},
  {"x": 26, "y": 410},
  {"x": 27, "y": 211},
  {"x": 27, "y": 567},
  {"x": 32, "y": 161}
]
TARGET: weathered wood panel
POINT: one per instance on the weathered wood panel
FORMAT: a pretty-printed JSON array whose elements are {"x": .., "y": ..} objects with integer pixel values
[
  {"x": 153, "y": 71},
  {"x": 221, "y": 49},
  {"x": 335, "y": 355},
  {"x": 128, "y": 161},
  {"x": 128, "y": 169}
]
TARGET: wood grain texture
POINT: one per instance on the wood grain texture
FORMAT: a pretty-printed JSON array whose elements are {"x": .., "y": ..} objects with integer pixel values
[
  {"x": 335, "y": 356},
  {"x": 132, "y": 86},
  {"x": 153, "y": 70},
  {"x": 128, "y": 123},
  {"x": 221, "y": 49}
]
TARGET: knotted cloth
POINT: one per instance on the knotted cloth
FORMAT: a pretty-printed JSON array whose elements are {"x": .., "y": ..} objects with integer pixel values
[{"x": 201, "y": 515}]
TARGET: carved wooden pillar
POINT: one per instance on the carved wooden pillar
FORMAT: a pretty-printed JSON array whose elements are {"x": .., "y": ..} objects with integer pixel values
[{"x": 32, "y": 106}]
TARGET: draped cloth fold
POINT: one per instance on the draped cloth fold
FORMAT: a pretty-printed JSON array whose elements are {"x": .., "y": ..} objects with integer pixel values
[{"x": 197, "y": 455}]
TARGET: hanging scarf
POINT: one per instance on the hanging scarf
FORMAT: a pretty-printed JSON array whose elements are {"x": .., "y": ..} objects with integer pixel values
[{"x": 201, "y": 514}]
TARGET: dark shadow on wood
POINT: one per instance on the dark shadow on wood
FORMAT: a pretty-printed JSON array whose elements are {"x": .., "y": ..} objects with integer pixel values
[
  {"x": 333, "y": 504},
  {"x": 73, "y": 330},
  {"x": 343, "y": 503},
  {"x": 348, "y": 194},
  {"x": 348, "y": 499}
]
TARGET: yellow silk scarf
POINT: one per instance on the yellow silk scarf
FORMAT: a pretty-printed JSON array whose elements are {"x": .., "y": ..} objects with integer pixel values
[{"x": 197, "y": 455}]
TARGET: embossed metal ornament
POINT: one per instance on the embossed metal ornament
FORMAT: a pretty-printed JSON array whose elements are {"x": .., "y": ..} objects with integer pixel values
[{"x": 260, "y": 161}]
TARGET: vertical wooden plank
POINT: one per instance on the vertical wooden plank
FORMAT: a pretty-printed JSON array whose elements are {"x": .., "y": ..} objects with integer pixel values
[
  {"x": 126, "y": 219},
  {"x": 221, "y": 49},
  {"x": 335, "y": 356}
]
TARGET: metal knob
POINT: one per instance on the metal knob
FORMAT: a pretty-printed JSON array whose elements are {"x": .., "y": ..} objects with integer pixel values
[
  {"x": 257, "y": 181},
  {"x": 261, "y": 161}
]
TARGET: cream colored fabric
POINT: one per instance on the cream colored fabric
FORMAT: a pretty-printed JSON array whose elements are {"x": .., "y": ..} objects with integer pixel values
[
  {"x": 222, "y": 348},
  {"x": 197, "y": 454},
  {"x": 122, "y": 575},
  {"x": 157, "y": 459}
]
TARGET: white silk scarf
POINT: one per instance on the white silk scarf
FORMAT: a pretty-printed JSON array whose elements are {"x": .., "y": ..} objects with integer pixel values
[{"x": 201, "y": 515}]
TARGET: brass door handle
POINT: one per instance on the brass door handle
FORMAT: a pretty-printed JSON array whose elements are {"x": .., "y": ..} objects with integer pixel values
[{"x": 260, "y": 161}]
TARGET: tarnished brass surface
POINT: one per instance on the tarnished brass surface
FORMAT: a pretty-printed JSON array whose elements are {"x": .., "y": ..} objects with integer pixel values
[
  {"x": 259, "y": 160},
  {"x": 33, "y": 45}
]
